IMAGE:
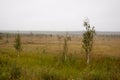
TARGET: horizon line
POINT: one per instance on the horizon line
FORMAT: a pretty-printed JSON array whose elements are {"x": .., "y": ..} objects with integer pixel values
[{"x": 54, "y": 31}]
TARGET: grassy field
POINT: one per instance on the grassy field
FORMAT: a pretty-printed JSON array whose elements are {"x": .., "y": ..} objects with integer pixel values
[{"x": 41, "y": 59}]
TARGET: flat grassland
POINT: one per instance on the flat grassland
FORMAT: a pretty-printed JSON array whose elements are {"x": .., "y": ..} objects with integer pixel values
[{"x": 41, "y": 59}]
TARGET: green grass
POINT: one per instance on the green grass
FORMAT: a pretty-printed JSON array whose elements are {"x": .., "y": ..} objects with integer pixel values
[{"x": 49, "y": 66}]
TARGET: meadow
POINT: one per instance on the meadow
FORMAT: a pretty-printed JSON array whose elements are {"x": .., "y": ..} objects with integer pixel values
[{"x": 41, "y": 59}]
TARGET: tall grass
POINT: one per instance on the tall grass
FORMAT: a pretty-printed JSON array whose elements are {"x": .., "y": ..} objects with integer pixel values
[{"x": 39, "y": 66}]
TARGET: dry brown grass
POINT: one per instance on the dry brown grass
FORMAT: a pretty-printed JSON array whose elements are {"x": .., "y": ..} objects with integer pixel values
[{"x": 102, "y": 45}]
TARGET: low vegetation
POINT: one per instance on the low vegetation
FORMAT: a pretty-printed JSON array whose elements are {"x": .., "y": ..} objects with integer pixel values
[
  {"x": 42, "y": 61},
  {"x": 34, "y": 66}
]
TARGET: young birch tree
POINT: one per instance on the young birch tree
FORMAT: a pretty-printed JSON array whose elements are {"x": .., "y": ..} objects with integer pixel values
[
  {"x": 87, "y": 42},
  {"x": 18, "y": 44}
]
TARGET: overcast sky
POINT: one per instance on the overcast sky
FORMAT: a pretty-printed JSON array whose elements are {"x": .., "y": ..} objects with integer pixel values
[{"x": 59, "y": 15}]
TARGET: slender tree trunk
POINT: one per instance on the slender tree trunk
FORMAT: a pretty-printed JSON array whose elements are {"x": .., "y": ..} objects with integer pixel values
[
  {"x": 88, "y": 58},
  {"x": 65, "y": 50},
  {"x": 18, "y": 53},
  {"x": 65, "y": 57},
  {"x": 59, "y": 46}
]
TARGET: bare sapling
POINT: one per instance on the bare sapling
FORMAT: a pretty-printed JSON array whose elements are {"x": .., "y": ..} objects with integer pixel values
[
  {"x": 65, "y": 47},
  {"x": 59, "y": 42},
  {"x": 18, "y": 44}
]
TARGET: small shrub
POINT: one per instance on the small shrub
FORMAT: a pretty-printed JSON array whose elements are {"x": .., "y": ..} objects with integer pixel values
[{"x": 8, "y": 70}]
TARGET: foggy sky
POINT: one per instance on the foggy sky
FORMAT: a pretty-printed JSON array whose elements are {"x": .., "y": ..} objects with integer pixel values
[{"x": 59, "y": 15}]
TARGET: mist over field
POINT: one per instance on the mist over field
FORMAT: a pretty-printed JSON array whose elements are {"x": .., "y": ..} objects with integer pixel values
[
  {"x": 63, "y": 15},
  {"x": 62, "y": 32}
]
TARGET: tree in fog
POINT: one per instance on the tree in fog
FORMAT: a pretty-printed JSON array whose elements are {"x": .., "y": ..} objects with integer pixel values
[
  {"x": 31, "y": 35},
  {"x": 1, "y": 36},
  {"x": 87, "y": 41},
  {"x": 65, "y": 47},
  {"x": 59, "y": 42},
  {"x": 7, "y": 36},
  {"x": 18, "y": 43}
]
